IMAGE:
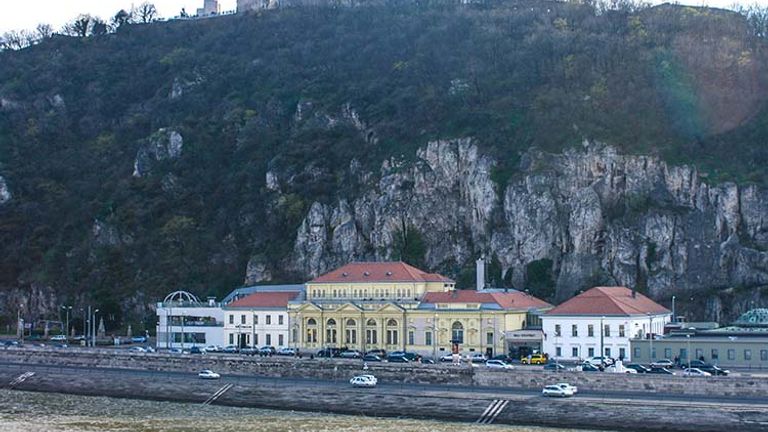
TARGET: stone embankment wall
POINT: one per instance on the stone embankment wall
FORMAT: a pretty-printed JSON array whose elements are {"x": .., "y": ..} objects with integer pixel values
[{"x": 520, "y": 378}]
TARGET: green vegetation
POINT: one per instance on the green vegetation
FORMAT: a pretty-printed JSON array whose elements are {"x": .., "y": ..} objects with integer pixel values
[
  {"x": 512, "y": 74},
  {"x": 539, "y": 279}
]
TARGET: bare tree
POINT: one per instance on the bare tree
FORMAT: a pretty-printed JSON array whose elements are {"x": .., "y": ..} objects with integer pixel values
[
  {"x": 12, "y": 40},
  {"x": 146, "y": 13},
  {"x": 98, "y": 27},
  {"x": 44, "y": 31},
  {"x": 121, "y": 18},
  {"x": 80, "y": 27}
]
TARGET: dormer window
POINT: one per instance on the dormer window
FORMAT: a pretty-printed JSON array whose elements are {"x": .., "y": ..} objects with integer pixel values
[
  {"x": 389, "y": 273},
  {"x": 366, "y": 274},
  {"x": 345, "y": 274}
]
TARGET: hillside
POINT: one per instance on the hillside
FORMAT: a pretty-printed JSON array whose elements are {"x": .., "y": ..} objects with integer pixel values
[{"x": 571, "y": 147}]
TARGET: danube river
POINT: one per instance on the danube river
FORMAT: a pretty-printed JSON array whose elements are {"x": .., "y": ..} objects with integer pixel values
[{"x": 38, "y": 412}]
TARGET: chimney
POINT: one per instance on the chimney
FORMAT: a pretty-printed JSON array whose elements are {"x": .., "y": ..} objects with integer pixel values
[
  {"x": 480, "y": 276},
  {"x": 212, "y": 301},
  {"x": 634, "y": 294}
]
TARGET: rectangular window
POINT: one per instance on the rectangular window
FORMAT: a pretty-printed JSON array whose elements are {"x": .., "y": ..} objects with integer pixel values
[
  {"x": 410, "y": 337},
  {"x": 242, "y": 319},
  {"x": 280, "y": 340},
  {"x": 637, "y": 353},
  {"x": 557, "y": 330},
  {"x": 667, "y": 353},
  {"x": 621, "y": 330},
  {"x": 574, "y": 351},
  {"x": 715, "y": 354},
  {"x": 269, "y": 339},
  {"x": 574, "y": 330},
  {"x": 391, "y": 337},
  {"x": 269, "y": 319},
  {"x": 558, "y": 352},
  {"x": 295, "y": 335},
  {"x": 622, "y": 353},
  {"x": 489, "y": 338},
  {"x": 684, "y": 353},
  {"x": 607, "y": 330},
  {"x": 607, "y": 352},
  {"x": 591, "y": 352},
  {"x": 699, "y": 353},
  {"x": 255, "y": 319},
  {"x": 279, "y": 320},
  {"x": 231, "y": 338},
  {"x": 231, "y": 319},
  {"x": 653, "y": 353},
  {"x": 747, "y": 354},
  {"x": 428, "y": 338},
  {"x": 256, "y": 339},
  {"x": 731, "y": 354},
  {"x": 590, "y": 330},
  {"x": 763, "y": 355}
]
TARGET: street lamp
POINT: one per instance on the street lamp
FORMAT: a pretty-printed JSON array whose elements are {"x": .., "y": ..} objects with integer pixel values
[
  {"x": 93, "y": 327},
  {"x": 434, "y": 339},
  {"x": 674, "y": 313},
  {"x": 602, "y": 340},
  {"x": 688, "y": 352},
  {"x": 650, "y": 335},
  {"x": 67, "y": 309},
  {"x": 19, "y": 324},
  {"x": 183, "y": 315}
]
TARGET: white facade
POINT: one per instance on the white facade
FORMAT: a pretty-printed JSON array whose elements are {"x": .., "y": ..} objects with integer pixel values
[
  {"x": 256, "y": 327},
  {"x": 578, "y": 337},
  {"x": 184, "y": 325}
]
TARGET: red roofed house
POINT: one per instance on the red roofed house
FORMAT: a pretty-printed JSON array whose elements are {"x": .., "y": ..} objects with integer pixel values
[
  {"x": 601, "y": 319},
  {"x": 259, "y": 318},
  {"x": 396, "y": 307}
]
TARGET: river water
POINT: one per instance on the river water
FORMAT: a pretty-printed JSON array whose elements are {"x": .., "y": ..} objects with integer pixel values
[{"x": 44, "y": 412}]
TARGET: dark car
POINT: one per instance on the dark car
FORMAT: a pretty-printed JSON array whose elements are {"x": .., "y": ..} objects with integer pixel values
[
  {"x": 267, "y": 350},
  {"x": 554, "y": 367},
  {"x": 588, "y": 367},
  {"x": 397, "y": 359},
  {"x": 350, "y": 355},
  {"x": 329, "y": 352},
  {"x": 139, "y": 339},
  {"x": 195, "y": 350},
  {"x": 660, "y": 371},
  {"x": 503, "y": 357},
  {"x": 715, "y": 370},
  {"x": 249, "y": 351},
  {"x": 427, "y": 361},
  {"x": 638, "y": 367},
  {"x": 412, "y": 357},
  {"x": 372, "y": 358},
  {"x": 694, "y": 364}
]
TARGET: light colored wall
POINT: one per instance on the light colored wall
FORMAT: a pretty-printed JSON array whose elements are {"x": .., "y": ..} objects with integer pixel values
[
  {"x": 214, "y": 335},
  {"x": 256, "y": 335},
  {"x": 677, "y": 347},
  {"x": 374, "y": 290},
  {"x": 583, "y": 342}
]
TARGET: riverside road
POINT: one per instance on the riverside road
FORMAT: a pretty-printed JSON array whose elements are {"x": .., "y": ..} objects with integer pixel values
[{"x": 65, "y": 373}]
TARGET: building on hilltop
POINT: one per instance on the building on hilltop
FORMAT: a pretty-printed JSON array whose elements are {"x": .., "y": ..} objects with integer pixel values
[
  {"x": 210, "y": 7},
  {"x": 601, "y": 320},
  {"x": 255, "y": 5},
  {"x": 393, "y": 306}
]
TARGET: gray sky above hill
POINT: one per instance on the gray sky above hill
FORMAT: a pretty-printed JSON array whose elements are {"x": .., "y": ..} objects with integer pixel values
[{"x": 27, "y": 14}]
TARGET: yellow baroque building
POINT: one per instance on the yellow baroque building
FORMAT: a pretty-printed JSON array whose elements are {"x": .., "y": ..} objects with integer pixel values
[{"x": 393, "y": 306}]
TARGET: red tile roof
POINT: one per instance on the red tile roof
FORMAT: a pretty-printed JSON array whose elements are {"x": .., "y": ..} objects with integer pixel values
[
  {"x": 505, "y": 300},
  {"x": 378, "y": 272},
  {"x": 265, "y": 300},
  {"x": 609, "y": 301}
]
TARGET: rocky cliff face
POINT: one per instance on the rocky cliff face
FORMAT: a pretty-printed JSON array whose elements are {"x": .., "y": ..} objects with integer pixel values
[
  {"x": 165, "y": 144},
  {"x": 601, "y": 218},
  {"x": 5, "y": 194}
]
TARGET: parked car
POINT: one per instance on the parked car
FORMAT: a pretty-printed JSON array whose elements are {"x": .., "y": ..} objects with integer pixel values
[
  {"x": 447, "y": 358},
  {"x": 638, "y": 367},
  {"x": 694, "y": 364},
  {"x": 412, "y": 357},
  {"x": 149, "y": 349},
  {"x": 715, "y": 370},
  {"x": 195, "y": 350},
  {"x": 363, "y": 381},
  {"x": 567, "y": 386},
  {"x": 663, "y": 363},
  {"x": 11, "y": 343},
  {"x": 249, "y": 351},
  {"x": 534, "y": 359},
  {"x": 555, "y": 367},
  {"x": 696, "y": 372},
  {"x": 556, "y": 391},
  {"x": 397, "y": 359},
  {"x": 478, "y": 358},
  {"x": 139, "y": 339},
  {"x": 370, "y": 377},
  {"x": 137, "y": 349},
  {"x": 660, "y": 371},
  {"x": 285, "y": 351},
  {"x": 329, "y": 352},
  {"x": 379, "y": 352},
  {"x": 589, "y": 367},
  {"x": 174, "y": 351},
  {"x": 503, "y": 357},
  {"x": 59, "y": 338},
  {"x": 351, "y": 355},
  {"x": 600, "y": 361},
  {"x": 427, "y": 361},
  {"x": 212, "y": 348},
  {"x": 208, "y": 374},
  {"x": 267, "y": 350},
  {"x": 230, "y": 349},
  {"x": 372, "y": 358},
  {"x": 498, "y": 364}
]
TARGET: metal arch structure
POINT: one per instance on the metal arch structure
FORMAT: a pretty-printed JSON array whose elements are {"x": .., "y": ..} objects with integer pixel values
[
  {"x": 754, "y": 318},
  {"x": 181, "y": 297}
]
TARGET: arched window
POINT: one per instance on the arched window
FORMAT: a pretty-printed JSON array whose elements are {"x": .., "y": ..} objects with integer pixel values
[
  {"x": 392, "y": 333},
  {"x": 350, "y": 332},
  {"x": 457, "y": 333},
  {"x": 331, "y": 322},
  {"x": 311, "y": 331},
  {"x": 330, "y": 331},
  {"x": 311, "y": 322},
  {"x": 371, "y": 333}
]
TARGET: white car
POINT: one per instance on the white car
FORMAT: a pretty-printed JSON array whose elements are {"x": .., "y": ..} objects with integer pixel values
[
  {"x": 212, "y": 348},
  {"x": 59, "y": 338},
  {"x": 370, "y": 377},
  {"x": 137, "y": 349},
  {"x": 556, "y": 391},
  {"x": 663, "y": 363},
  {"x": 498, "y": 364},
  {"x": 363, "y": 381},
  {"x": 566, "y": 386},
  {"x": 696, "y": 372},
  {"x": 599, "y": 361},
  {"x": 208, "y": 374}
]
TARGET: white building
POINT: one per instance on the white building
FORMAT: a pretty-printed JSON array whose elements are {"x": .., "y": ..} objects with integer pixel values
[
  {"x": 606, "y": 317},
  {"x": 183, "y": 321},
  {"x": 260, "y": 318},
  {"x": 210, "y": 7}
]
